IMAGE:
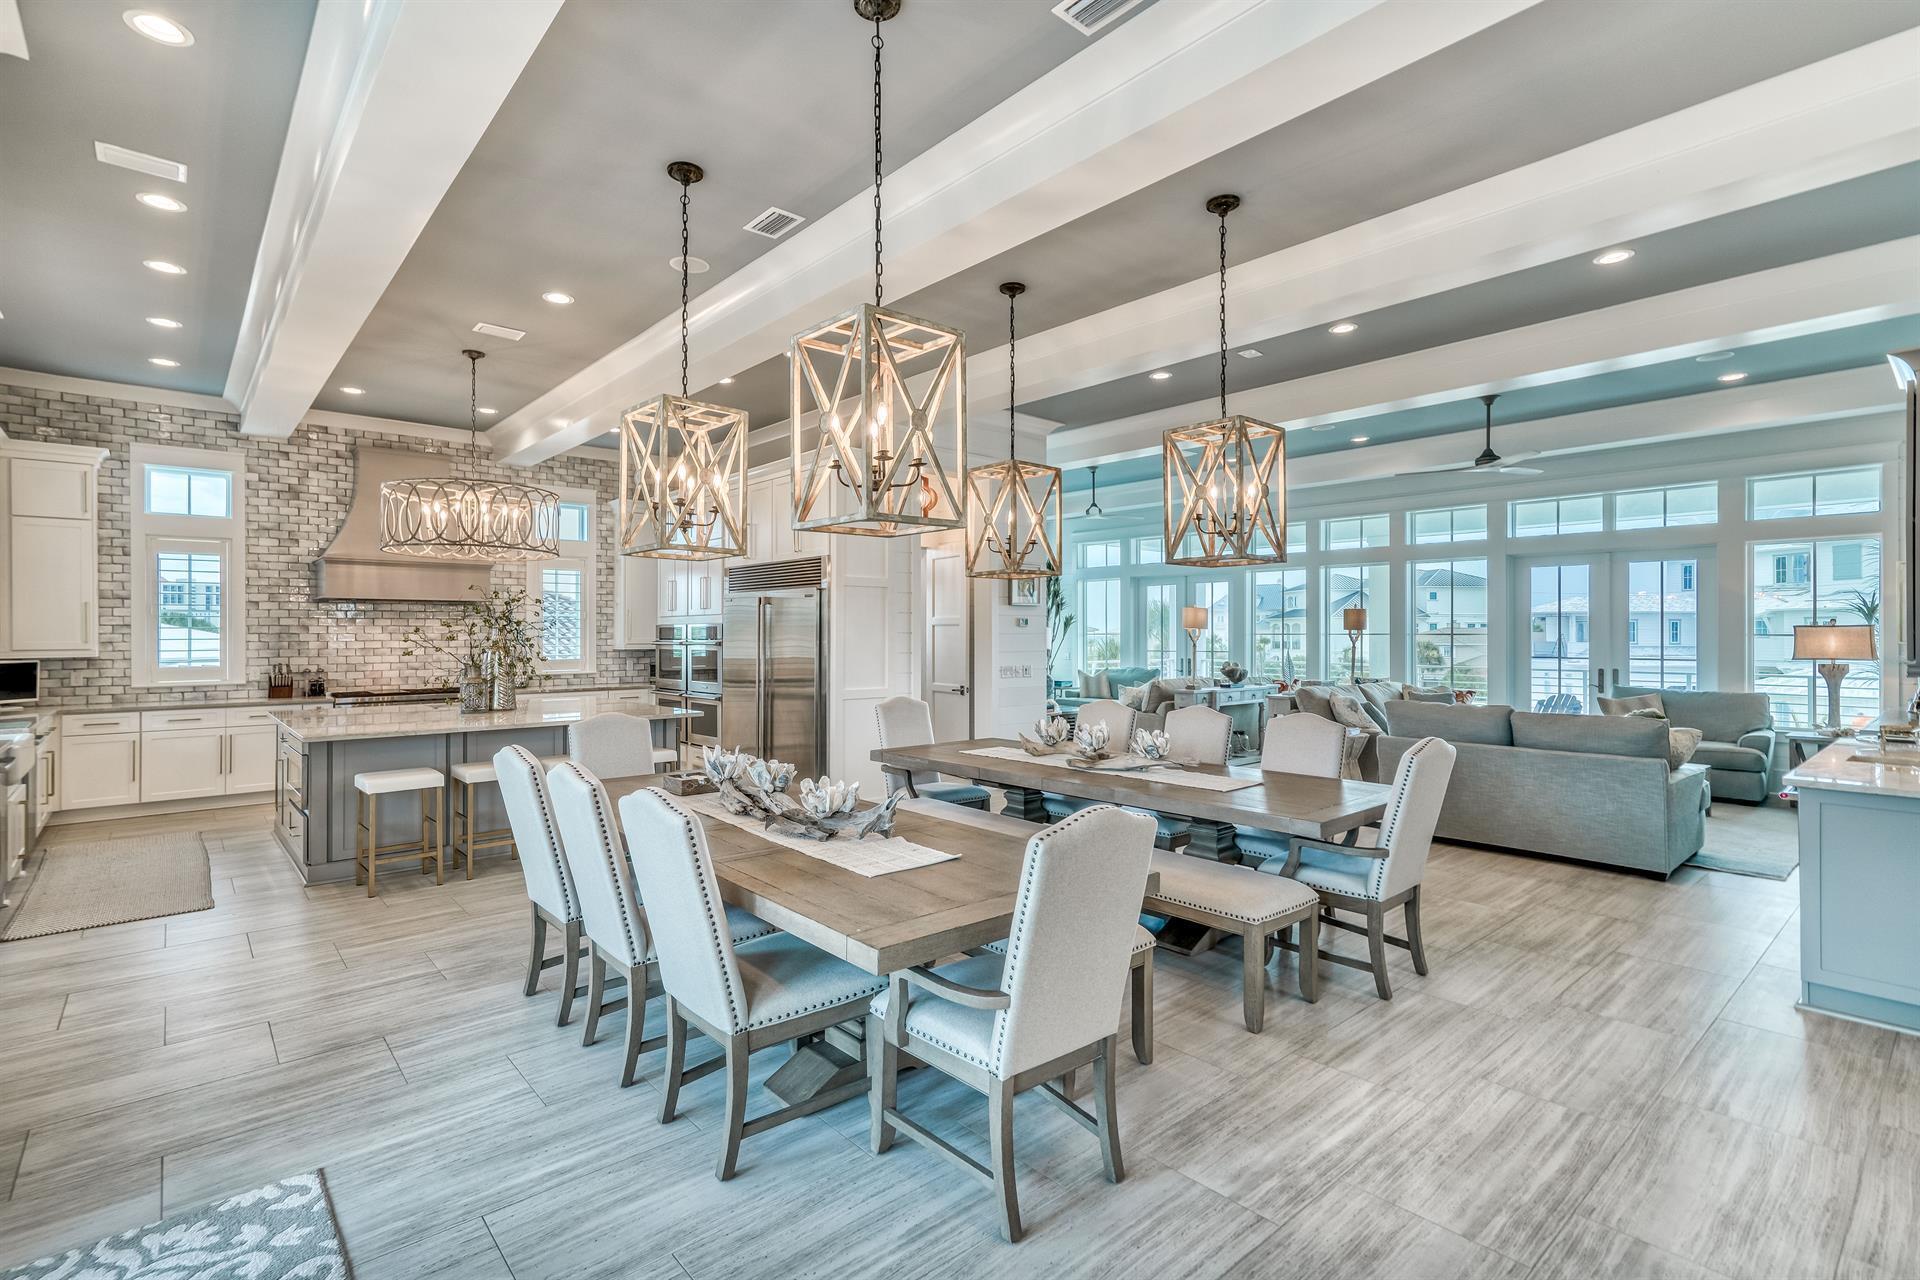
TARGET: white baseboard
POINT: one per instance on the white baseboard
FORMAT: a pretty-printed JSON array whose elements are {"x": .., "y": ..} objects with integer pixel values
[{"x": 107, "y": 812}]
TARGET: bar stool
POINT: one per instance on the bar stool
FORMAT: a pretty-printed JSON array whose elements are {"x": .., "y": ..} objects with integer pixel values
[
  {"x": 466, "y": 842},
  {"x": 368, "y": 852}
]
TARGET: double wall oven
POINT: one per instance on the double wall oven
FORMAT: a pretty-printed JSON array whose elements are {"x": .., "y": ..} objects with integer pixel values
[{"x": 687, "y": 674}]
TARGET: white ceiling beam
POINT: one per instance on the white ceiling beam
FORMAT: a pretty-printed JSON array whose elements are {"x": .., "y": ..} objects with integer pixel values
[
  {"x": 393, "y": 97},
  {"x": 13, "y": 35},
  {"x": 1840, "y": 118},
  {"x": 1857, "y": 287},
  {"x": 1176, "y": 84}
]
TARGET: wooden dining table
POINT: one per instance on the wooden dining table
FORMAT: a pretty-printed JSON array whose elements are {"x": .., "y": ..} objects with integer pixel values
[{"x": 1331, "y": 810}]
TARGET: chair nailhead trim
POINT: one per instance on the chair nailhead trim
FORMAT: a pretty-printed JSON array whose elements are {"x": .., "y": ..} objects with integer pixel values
[
  {"x": 722, "y": 944},
  {"x": 625, "y": 899},
  {"x": 532, "y": 764}
]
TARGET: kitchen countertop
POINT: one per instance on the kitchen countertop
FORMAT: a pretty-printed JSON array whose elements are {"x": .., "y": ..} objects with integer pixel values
[
  {"x": 417, "y": 720},
  {"x": 221, "y": 701},
  {"x": 1835, "y": 769}
]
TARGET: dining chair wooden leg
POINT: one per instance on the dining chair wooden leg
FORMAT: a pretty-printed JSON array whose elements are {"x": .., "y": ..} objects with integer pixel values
[
  {"x": 1309, "y": 954},
  {"x": 883, "y": 1069},
  {"x": 636, "y": 1029},
  {"x": 1106, "y": 1109},
  {"x": 676, "y": 1060},
  {"x": 736, "y": 1106},
  {"x": 539, "y": 952},
  {"x": 1411, "y": 909},
  {"x": 1253, "y": 980},
  {"x": 570, "y": 973},
  {"x": 596, "y": 993},
  {"x": 1142, "y": 1019},
  {"x": 1000, "y": 1136},
  {"x": 1377, "y": 949}
]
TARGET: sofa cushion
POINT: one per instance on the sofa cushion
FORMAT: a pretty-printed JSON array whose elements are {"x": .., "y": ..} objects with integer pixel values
[
  {"x": 1416, "y": 694},
  {"x": 1595, "y": 735},
  {"x": 1722, "y": 717},
  {"x": 1093, "y": 684},
  {"x": 1632, "y": 703},
  {"x": 1681, "y": 744},
  {"x": 1727, "y": 755},
  {"x": 1379, "y": 693},
  {"x": 1120, "y": 677},
  {"x": 1489, "y": 725}
]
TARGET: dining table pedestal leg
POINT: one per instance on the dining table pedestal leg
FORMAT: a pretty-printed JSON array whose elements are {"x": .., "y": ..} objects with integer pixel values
[
  {"x": 1024, "y": 803},
  {"x": 1213, "y": 840},
  {"x": 821, "y": 1063}
]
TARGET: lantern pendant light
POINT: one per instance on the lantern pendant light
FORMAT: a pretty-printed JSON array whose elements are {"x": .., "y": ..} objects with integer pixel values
[
  {"x": 683, "y": 462},
  {"x": 484, "y": 521},
  {"x": 1225, "y": 480},
  {"x": 1013, "y": 507},
  {"x": 871, "y": 454}
]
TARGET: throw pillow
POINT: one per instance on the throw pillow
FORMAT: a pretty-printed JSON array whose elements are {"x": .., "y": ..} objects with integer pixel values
[
  {"x": 1647, "y": 713},
  {"x": 1093, "y": 684},
  {"x": 1135, "y": 696},
  {"x": 1680, "y": 746},
  {"x": 1415, "y": 693},
  {"x": 1312, "y": 699},
  {"x": 1639, "y": 702},
  {"x": 1348, "y": 711}
]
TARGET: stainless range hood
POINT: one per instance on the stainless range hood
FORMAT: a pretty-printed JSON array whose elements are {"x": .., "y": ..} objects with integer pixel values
[{"x": 355, "y": 568}]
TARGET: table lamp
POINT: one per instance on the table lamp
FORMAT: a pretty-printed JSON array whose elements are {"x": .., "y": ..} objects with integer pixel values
[
  {"x": 1194, "y": 618},
  {"x": 1354, "y": 623},
  {"x": 1828, "y": 644}
]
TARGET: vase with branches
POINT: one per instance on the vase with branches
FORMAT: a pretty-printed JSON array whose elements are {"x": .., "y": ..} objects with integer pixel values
[{"x": 493, "y": 641}]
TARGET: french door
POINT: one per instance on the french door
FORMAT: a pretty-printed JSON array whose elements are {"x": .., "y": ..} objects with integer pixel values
[{"x": 1587, "y": 623}]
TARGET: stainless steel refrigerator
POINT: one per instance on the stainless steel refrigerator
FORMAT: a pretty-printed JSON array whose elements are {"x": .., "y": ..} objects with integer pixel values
[{"x": 774, "y": 662}]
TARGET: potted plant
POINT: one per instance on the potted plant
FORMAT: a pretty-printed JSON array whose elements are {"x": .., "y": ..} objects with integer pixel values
[{"x": 495, "y": 642}]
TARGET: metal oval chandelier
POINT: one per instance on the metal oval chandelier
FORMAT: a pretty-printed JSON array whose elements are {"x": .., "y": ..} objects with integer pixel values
[{"x": 487, "y": 521}]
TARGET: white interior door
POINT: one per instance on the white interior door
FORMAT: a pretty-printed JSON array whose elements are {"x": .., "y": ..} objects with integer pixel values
[{"x": 946, "y": 680}]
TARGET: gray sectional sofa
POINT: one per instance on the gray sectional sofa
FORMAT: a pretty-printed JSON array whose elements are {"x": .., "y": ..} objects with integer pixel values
[
  {"x": 1736, "y": 736},
  {"x": 1595, "y": 788}
]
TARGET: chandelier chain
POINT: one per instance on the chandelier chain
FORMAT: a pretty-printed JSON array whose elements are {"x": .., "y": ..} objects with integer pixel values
[
  {"x": 1011, "y": 385},
  {"x": 879, "y": 43},
  {"x": 684, "y": 267},
  {"x": 473, "y": 409},
  {"x": 1223, "y": 314}
]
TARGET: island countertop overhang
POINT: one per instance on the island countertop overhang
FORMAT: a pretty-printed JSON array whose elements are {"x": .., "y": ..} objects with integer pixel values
[{"x": 416, "y": 720}]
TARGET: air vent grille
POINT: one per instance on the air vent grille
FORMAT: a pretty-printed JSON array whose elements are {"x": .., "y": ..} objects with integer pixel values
[
  {"x": 500, "y": 331},
  {"x": 140, "y": 162},
  {"x": 778, "y": 575},
  {"x": 774, "y": 223},
  {"x": 1088, "y": 16}
]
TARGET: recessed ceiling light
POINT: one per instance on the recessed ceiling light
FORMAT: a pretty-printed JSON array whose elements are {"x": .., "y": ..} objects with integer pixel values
[
  {"x": 557, "y": 298},
  {"x": 1613, "y": 257},
  {"x": 485, "y": 412},
  {"x": 158, "y": 29},
  {"x": 163, "y": 362},
  {"x": 161, "y": 322},
  {"x": 164, "y": 267},
  {"x": 695, "y": 266},
  {"x": 353, "y": 391},
  {"x": 1735, "y": 376},
  {"x": 1248, "y": 353},
  {"x": 1712, "y": 356},
  {"x": 1345, "y": 326},
  {"x": 1359, "y": 439},
  {"x": 164, "y": 203},
  {"x": 726, "y": 382},
  {"x": 1159, "y": 375}
]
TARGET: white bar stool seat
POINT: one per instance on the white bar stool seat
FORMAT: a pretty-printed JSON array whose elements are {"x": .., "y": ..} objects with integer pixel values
[
  {"x": 466, "y": 841},
  {"x": 369, "y": 853}
]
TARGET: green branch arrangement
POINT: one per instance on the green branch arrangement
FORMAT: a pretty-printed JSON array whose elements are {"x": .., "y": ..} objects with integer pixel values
[{"x": 499, "y": 633}]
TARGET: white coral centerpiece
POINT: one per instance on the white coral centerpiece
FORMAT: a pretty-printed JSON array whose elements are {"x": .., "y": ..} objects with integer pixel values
[
  {"x": 757, "y": 788},
  {"x": 1049, "y": 733},
  {"x": 1090, "y": 742},
  {"x": 1150, "y": 744},
  {"x": 826, "y": 798}
]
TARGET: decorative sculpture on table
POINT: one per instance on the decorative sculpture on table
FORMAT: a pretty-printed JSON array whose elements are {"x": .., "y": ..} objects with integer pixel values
[
  {"x": 1091, "y": 743},
  {"x": 1232, "y": 673},
  {"x": 1050, "y": 735},
  {"x": 756, "y": 788},
  {"x": 1150, "y": 744}
]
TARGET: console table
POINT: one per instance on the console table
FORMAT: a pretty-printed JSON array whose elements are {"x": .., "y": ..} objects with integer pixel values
[{"x": 1245, "y": 703}]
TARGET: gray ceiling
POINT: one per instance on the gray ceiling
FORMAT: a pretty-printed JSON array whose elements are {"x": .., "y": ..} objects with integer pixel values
[
  {"x": 1861, "y": 346},
  {"x": 72, "y": 238},
  {"x": 567, "y": 189},
  {"x": 1552, "y": 77}
]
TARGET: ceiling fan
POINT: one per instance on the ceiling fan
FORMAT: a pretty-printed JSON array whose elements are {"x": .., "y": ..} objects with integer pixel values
[{"x": 1487, "y": 460}]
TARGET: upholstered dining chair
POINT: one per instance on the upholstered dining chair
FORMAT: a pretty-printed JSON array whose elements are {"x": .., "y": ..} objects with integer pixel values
[
  {"x": 767, "y": 991},
  {"x": 1371, "y": 886},
  {"x": 616, "y": 745},
  {"x": 1005, "y": 1024},
  {"x": 1120, "y": 720},
  {"x": 908, "y": 722},
  {"x": 523, "y": 790},
  {"x": 617, "y": 927},
  {"x": 1297, "y": 743},
  {"x": 1195, "y": 735}
]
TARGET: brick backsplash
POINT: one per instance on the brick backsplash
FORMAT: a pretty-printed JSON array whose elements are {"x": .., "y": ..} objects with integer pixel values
[{"x": 297, "y": 495}]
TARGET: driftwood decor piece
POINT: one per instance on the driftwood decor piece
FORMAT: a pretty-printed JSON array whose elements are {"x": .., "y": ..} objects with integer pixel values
[{"x": 756, "y": 788}]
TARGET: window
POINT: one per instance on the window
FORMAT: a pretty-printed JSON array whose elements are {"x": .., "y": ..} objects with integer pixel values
[
  {"x": 1804, "y": 582},
  {"x": 1665, "y": 653},
  {"x": 1633, "y": 631},
  {"x": 1350, "y": 532},
  {"x": 1850, "y": 491},
  {"x": 1279, "y": 625},
  {"x": 1673, "y": 631},
  {"x": 188, "y": 539},
  {"x": 1357, "y": 586},
  {"x": 1545, "y": 517},
  {"x": 1149, "y": 551},
  {"x": 1448, "y": 524},
  {"x": 1100, "y": 555},
  {"x": 564, "y": 589},
  {"x": 1215, "y": 596},
  {"x": 1296, "y": 537},
  {"x": 1667, "y": 508},
  {"x": 1100, "y": 623},
  {"x": 1166, "y": 646},
  {"x": 1450, "y": 624}
]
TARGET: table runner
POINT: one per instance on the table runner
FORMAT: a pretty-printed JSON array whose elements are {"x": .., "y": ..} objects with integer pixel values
[
  {"x": 870, "y": 857},
  {"x": 1171, "y": 777}
]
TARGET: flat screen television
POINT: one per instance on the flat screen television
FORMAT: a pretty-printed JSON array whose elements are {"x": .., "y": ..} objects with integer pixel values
[{"x": 19, "y": 682}]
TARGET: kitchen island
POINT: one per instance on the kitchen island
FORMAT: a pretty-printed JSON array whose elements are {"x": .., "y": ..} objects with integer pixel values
[
  {"x": 1860, "y": 882},
  {"x": 321, "y": 749}
]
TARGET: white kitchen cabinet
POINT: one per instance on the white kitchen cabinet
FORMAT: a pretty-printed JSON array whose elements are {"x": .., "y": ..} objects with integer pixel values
[
  {"x": 99, "y": 769},
  {"x": 252, "y": 754},
  {"x": 182, "y": 764},
  {"x": 708, "y": 583},
  {"x": 46, "y": 775},
  {"x": 49, "y": 551},
  {"x": 49, "y": 487},
  {"x": 636, "y": 600}
]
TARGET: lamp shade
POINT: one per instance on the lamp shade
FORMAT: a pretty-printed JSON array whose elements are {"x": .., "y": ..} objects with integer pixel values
[
  {"x": 1830, "y": 642},
  {"x": 1193, "y": 618},
  {"x": 1353, "y": 619}
]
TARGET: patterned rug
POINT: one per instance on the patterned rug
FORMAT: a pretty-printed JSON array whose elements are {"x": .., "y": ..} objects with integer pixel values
[
  {"x": 282, "y": 1231},
  {"x": 1751, "y": 840},
  {"x": 89, "y": 884}
]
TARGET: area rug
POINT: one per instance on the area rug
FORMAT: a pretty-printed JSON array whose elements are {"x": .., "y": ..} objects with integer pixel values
[
  {"x": 89, "y": 884},
  {"x": 1749, "y": 840},
  {"x": 282, "y": 1231}
]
